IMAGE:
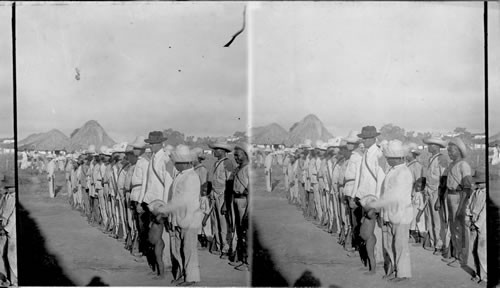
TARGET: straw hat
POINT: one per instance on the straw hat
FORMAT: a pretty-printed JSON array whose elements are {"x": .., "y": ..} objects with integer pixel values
[
  {"x": 157, "y": 207},
  {"x": 91, "y": 149},
  {"x": 139, "y": 143},
  {"x": 413, "y": 148},
  {"x": 182, "y": 154},
  {"x": 198, "y": 153},
  {"x": 221, "y": 143},
  {"x": 334, "y": 142},
  {"x": 435, "y": 139},
  {"x": 245, "y": 148},
  {"x": 352, "y": 138},
  {"x": 120, "y": 147},
  {"x": 103, "y": 148},
  {"x": 460, "y": 144},
  {"x": 395, "y": 149}
]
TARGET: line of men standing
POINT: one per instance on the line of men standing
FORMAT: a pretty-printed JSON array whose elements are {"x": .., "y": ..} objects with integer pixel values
[
  {"x": 122, "y": 191},
  {"x": 373, "y": 195},
  {"x": 8, "y": 234}
]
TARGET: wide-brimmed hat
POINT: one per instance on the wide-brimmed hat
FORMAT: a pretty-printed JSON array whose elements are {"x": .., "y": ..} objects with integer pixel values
[
  {"x": 139, "y": 143},
  {"x": 244, "y": 147},
  {"x": 155, "y": 137},
  {"x": 460, "y": 144},
  {"x": 479, "y": 176},
  {"x": 103, "y": 149},
  {"x": 197, "y": 153},
  {"x": 435, "y": 139},
  {"x": 413, "y": 148},
  {"x": 395, "y": 149},
  {"x": 368, "y": 132},
  {"x": 120, "y": 147},
  {"x": 343, "y": 143},
  {"x": 91, "y": 149},
  {"x": 352, "y": 137},
  {"x": 333, "y": 142},
  {"x": 182, "y": 154},
  {"x": 221, "y": 145},
  {"x": 157, "y": 207}
]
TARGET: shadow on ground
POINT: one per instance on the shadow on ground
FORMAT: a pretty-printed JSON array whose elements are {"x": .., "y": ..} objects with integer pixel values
[{"x": 36, "y": 265}]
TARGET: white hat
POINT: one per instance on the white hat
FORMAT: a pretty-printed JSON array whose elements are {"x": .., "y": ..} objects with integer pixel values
[
  {"x": 245, "y": 148},
  {"x": 103, "y": 149},
  {"x": 198, "y": 153},
  {"x": 182, "y": 154},
  {"x": 120, "y": 147},
  {"x": 395, "y": 149},
  {"x": 413, "y": 148},
  {"x": 333, "y": 142},
  {"x": 352, "y": 137},
  {"x": 139, "y": 143},
  {"x": 157, "y": 207},
  {"x": 91, "y": 149},
  {"x": 319, "y": 144},
  {"x": 435, "y": 139}
]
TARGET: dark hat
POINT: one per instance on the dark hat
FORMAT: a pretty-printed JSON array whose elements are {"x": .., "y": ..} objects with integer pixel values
[
  {"x": 479, "y": 176},
  {"x": 155, "y": 137},
  {"x": 368, "y": 132}
]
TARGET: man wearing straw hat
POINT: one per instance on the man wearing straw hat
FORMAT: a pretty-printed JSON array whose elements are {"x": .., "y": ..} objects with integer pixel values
[
  {"x": 185, "y": 214},
  {"x": 138, "y": 185},
  {"x": 436, "y": 219},
  {"x": 353, "y": 163},
  {"x": 476, "y": 217},
  {"x": 241, "y": 189},
  {"x": 370, "y": 178},
  {"x": 417, "y": 170},
  {"x": 51, "y": 168},
  {"x": 8, "y": 234},
  {"x": 396, "y": 212},
  {"x": 159, "y": 180},
  {"x": 101, "y": 193},
  {"x": 459, "y": 189},
  {"x": 332, "y": 171},
  {"x": 220, "y": 185},
  {"x": 268, "y": 164},
  {"x": 205, "y": 232}
]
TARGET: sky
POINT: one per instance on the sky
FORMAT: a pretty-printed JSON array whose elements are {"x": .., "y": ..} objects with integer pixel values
[
  {"x": 494, "y": 67},
  {"x": 6, "y": 86},
  {"x": 142, "y": 67},
  {"x": 413, "y": 64}
]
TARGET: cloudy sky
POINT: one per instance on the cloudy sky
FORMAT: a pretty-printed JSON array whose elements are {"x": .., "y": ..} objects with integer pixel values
[
  {"x": 6, "y": 96},
  {"x": 494, "y": 67},
  {"x": 417, "y": 65},
  {"x": 142, "y": 67}
]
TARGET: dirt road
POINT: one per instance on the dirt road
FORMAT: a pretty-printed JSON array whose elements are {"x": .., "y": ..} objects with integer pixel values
[
  {"x": 289, "y": 245},
  {"x": 58, "y": 247}
]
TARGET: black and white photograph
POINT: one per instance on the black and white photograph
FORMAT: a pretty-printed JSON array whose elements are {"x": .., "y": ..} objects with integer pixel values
[
  {"x": 368, "y": 128},
  {"x": 131, "y": 121},
  {"x": 8, "y": 238}
]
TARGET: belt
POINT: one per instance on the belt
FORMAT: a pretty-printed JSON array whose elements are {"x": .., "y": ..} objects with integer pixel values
[
  {"x": 454, "y": 191},
  {"x": 240, "y": 196}
]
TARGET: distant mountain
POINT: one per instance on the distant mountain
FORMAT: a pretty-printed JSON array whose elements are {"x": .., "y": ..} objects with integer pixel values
[
  {"x": 52, "y": 140},
  {"x": 308, "y": 128},
  {"x": 494, "y": 139},
  {"x": 91, "y": 133},
  {"x": 270, "y": 134}
]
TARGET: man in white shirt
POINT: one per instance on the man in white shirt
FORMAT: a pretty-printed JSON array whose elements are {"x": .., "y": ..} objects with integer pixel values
[
  {"x": 51, "y": 169},
  {"x": 159, "y": 180}
]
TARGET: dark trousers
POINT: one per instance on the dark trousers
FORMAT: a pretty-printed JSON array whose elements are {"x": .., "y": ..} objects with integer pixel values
[
  {"x": 143, "y": 219},
  {"x": 86, "y": 202}
]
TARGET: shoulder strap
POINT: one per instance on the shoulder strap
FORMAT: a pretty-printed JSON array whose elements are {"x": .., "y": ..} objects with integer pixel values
[
  {"x": 433, "y": 158},
  {"x": 368, "y": 167},
  {"x": 156, "y": 172}
]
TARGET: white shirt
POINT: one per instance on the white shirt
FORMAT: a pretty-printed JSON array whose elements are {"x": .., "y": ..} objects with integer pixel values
[
  {"x": 351, "y": 172},
  {"x": 139, "y": 179},
  {"x": 371, "y": 173},
  {"x": 185, "y": 203},
  {"x": 158, "y": 184}
]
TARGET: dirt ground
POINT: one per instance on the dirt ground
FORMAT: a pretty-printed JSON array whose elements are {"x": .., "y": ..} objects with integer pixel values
[
  {"x": 292, "y": 248},
  {"x": 58, "y": 247}
]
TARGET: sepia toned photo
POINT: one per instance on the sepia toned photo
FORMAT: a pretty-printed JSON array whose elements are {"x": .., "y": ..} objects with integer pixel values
[
  {"x": 369, "y": 136},
  {"x": 133, "y": 158}
]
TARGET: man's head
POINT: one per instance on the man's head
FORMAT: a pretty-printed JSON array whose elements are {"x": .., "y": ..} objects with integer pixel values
[
  {"x": 198, "y": 156},
  {"x": 368, "y": 135},
  {"x": 131, "y": 157},
  {"x": 220, "y": 149},
  {"x": 241, "y": 153},
  {"x": 456, "y": 149},
  {"x": 155, "y": 139},
  {"x": 395, "y": 153},
  {"x": 434, "y": 144},
  {"x": 182, "y": 157}
]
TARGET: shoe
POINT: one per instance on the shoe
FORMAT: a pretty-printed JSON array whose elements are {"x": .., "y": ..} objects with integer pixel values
[
  {"x": 224, "y": 256},
  {"x": 139, "y": 259},
  {"x": 475, "y": 279},
  {"x": 400, "y": 280},
  {"x": 429, "y": 248},
  {"x": 352, "y": 254},
  {"x": 191, "y": 283},
  {"x": 389, "y": 276},
  {"x": 448, "y": 260},
  {"x": 483, "y": 283},
  {"x": 437, "y": 252},
  {"x": 235, "y": 263},
  {"x": 242, "y": 267},
  {"x": 177, "y": 281},
  {"x": 455, "y": 264}
]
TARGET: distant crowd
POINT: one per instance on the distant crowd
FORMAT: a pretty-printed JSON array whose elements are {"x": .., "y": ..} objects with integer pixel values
[
  {"x": 163, "y": 203},
  {"x": 376, "y": 197}
]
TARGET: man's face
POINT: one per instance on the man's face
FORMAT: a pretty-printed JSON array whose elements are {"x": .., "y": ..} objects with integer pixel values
[
  {"x": 454, "y": 152},
  {"x": 155, "y": 147},
  {"x": 239, "y": 156},
  {"x": 131, "y": 158},
  {"x": 410, "y": 157},
  {"x": 368, "y": 142},
  {"x": 394, "y": 161},
  {"x": 433, "y": 148},
  {"x": 350, "y": 146}
]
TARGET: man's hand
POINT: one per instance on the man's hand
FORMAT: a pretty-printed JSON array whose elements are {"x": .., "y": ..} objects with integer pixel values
[
  {"x": 437, "y": 205},
  {"x": 139, "y": 208},
  {"x": 352, "y": 203}
]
